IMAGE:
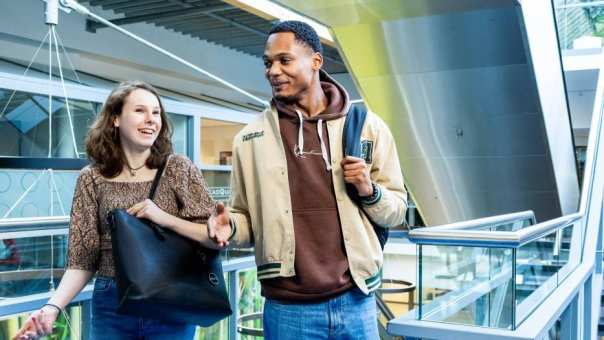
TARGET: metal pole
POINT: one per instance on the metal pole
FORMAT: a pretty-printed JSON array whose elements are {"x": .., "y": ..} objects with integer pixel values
[
  {"x": 52, "y": 12},
  {"x": 233, "y": 295}
]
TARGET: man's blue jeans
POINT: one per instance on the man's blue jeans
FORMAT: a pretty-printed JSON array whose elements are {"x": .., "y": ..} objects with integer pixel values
[
  {"x": 107, "y": 324},
  {"x": 351, "y": 315}
]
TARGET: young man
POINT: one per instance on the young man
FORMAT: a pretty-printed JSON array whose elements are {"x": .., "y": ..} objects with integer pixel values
[{"x": 318, "y": 256}]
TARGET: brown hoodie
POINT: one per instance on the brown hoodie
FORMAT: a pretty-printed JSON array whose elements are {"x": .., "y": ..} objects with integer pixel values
[{"x": 320, "y": 258}]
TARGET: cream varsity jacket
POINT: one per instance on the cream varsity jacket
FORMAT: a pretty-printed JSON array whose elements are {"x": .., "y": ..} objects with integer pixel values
[{"x": 260, "y": 206}]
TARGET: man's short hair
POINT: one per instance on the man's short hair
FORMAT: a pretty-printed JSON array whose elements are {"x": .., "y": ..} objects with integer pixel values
[{"x": 303, "y": 32}]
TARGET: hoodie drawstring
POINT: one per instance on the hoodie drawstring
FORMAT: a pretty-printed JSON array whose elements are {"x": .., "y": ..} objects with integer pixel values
[
  {"x": 299, "y": 150},
  {"x": 323, "y": 150}
]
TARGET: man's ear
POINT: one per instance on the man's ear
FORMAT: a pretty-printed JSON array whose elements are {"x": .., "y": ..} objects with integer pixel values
[{"x": 317, "y": 61}]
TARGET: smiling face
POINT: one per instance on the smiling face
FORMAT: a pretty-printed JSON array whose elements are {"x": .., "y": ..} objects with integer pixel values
[
  {"x": 290, "y": 66},
  {"x": 140, "y": 121}
]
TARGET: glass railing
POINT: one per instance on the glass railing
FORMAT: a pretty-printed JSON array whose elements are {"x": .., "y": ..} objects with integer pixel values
[
  {"x": 466, "y": 285},
  {"x": 33, "y": 255},
  {"x": 491, "y": 272},
  {"x": 32, "y": 193}
]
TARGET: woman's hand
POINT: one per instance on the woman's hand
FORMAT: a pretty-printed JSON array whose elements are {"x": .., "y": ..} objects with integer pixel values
[
  {"x": 149, "y": 210},
  {"x": 38, "y": 324}
]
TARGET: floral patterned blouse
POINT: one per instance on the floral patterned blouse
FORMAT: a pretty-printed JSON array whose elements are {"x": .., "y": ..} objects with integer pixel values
[{"x": 182, "y": 192}]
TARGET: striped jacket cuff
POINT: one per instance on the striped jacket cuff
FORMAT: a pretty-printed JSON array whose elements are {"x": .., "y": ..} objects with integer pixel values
[{"x": 375, "y": 197}]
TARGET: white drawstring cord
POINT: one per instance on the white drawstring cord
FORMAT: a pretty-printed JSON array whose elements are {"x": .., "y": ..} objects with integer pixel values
[
  {"x": 323, "y": 149},
  {"x": 299, "y": 150}
]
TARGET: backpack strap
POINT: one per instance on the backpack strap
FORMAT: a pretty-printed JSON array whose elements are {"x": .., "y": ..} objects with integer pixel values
[
  {"x": 351, "y": 137},
  {"x": 353, "y": 126}
]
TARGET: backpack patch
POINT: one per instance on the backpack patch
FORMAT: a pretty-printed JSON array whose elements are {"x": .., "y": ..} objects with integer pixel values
[{"x": 367, "y": 151}]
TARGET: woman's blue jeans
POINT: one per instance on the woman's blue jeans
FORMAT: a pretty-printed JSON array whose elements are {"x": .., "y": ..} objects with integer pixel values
[{"x": 107, "y": 324}]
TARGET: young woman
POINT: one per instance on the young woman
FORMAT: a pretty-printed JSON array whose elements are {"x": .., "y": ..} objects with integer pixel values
[{"x": 126, "y": 144}]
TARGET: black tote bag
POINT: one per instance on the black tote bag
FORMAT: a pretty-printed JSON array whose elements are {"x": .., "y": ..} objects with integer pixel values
[{"x": 163, "y": 275}]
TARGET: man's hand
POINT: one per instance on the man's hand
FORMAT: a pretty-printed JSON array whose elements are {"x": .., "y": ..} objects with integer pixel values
[
  {"x": 219, "y": 226},
  {"x": 38, "y": 324},
  {"x": 149, "y": 210},
  {"x": 356, "y": 172}
]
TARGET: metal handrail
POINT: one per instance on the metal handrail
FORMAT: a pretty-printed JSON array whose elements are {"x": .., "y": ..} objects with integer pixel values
[
  {"x": 33, "y": 222},
  {"x": 34, "y": 233},
  {"x": 493, "y": 239},
  {"x": 487, "y": 221}
]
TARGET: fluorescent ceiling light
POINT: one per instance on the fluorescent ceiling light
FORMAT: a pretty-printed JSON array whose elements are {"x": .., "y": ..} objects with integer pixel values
[{"x": 272, "y": 11}]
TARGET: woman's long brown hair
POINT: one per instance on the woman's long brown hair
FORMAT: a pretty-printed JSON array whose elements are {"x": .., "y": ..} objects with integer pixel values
[{"x": 103, "y": 140}]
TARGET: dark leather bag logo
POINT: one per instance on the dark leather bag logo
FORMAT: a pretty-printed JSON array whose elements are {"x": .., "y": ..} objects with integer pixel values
[{"x": 213, "y": 278}]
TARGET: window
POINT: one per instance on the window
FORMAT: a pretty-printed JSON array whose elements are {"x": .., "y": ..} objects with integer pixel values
[
  {"x": 216, "y": 141},
  {"x": 25, "y": 128}
]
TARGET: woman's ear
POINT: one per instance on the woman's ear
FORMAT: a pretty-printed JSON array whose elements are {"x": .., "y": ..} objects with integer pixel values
[{"x": 116, "y": 122}]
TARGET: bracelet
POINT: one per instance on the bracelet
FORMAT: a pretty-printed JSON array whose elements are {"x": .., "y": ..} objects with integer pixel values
[
  {"x": 374, "y": 197},
  {"x": 54, "y": 306}
]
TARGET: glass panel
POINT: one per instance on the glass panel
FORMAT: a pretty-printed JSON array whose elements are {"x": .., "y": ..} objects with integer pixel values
[
  {"x": 31, "y": 265},
  {"x": 180, "y": 133},
  {"x": 400, "y": 259},
  {"x": 25, "y": 128},
  {"x": 250, "y": 300},
  {"x": 579, "y": 25},
  {"x": 541, "y": 266},
  {"x": 466, "y": 285},
  {"x": 34, "y": 193},
  {"x": 216, "y": 141}
]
